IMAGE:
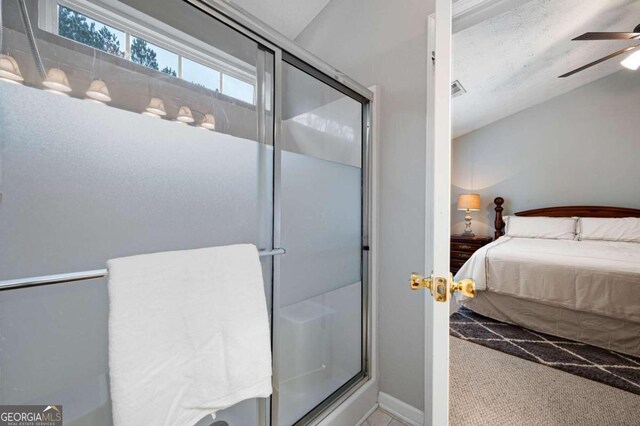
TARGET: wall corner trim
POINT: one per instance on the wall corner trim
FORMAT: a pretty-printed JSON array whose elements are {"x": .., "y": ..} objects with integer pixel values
[{"x": 400, "y": 409}]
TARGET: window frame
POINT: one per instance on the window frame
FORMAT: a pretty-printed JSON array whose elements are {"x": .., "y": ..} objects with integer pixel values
[{"x": 136, "y": 24}]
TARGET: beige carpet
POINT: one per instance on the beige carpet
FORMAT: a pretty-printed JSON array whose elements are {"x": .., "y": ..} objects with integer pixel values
[{"x": 491, "y": 388}]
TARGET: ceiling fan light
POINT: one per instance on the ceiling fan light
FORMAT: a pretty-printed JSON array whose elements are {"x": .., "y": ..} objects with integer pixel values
[
  {"x": 156, "y": 106},
  {"x": 9, "y": 70},
  {"x": 184, "y": 115},
  {"x": 99, "y": 91},
  {"x": 57, "y": 81},
  {"x": 632, "y": 61}
]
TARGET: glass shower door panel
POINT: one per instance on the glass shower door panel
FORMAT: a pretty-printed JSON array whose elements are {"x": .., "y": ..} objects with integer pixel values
[
  {"x": 83, "y": 182},
  {"x": 319, "y": 346}
]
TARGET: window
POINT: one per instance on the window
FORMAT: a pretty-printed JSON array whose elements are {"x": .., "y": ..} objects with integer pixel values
[
  {"x": 87, "y": 31},
  {"x": 237, "y": 89},
  {"x": 157, "y": 58},
  {"x": 84, "y": 29},
  {"x": 201, "y": 75}
]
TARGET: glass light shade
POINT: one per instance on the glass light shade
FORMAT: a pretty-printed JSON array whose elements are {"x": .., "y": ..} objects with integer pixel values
[
  {"x": 98, "y": 90},
  {"x": 94, "y": 101},
  {"x": 150, "y": 114},
  {"x": 9, "y": 70},
  {"x": 184, "y": 115},
  {"x": 632, "y": 61},
  {"x": 57, "y": 81},
  {"x": 209, "y": 122},
  {"x": 469, "y": 202},
  {"x": 156, "y": 106},
  {"x": 56, "y": 92},
  {"x": 179, "y": 122}
]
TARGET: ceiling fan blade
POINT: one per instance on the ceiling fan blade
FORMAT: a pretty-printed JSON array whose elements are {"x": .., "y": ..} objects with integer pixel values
[
  {"x": 608, "y": 36},
  {"x": 606, "y": 58}
]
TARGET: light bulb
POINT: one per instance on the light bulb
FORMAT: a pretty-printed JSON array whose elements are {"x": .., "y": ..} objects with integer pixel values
[{"x": 632, "y": 61}]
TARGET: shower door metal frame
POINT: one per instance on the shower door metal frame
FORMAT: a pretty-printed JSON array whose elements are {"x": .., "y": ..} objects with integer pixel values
[{"x": 341, "y": 394}]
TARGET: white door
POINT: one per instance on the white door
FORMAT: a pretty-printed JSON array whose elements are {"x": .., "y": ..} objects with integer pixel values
[{"x": 438, "y": 285}]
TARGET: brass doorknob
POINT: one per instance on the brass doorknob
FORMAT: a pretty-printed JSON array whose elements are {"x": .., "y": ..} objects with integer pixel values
[
  {"x": 417, "y": 281},
  {"x": 466, "y": 286},
  {"x": 443, "y": 288}
]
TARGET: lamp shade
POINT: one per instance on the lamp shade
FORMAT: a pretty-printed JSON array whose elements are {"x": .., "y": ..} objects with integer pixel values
[
  {"x": 468, "y": 202},
  {"x": 184, "y": 115},
  {"x": 156, "y": 106},
  {"x": 209, "y": 122},
  {"x": 57, "y": 81},
  {"x": 98, "y": 90},
  {"x": 9, "y": 70}
]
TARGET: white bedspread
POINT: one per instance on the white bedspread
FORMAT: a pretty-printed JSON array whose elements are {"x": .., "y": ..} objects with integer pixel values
[{"x": 601, "y": 277}]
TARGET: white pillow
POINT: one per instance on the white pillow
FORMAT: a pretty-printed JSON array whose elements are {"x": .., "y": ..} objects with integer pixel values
[
  {"x": 610, "y": 229},
  {"x": 559, "y": 228}
]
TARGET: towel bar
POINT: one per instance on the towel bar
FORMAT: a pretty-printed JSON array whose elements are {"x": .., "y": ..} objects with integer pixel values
[{"x": 84, "y": 275}]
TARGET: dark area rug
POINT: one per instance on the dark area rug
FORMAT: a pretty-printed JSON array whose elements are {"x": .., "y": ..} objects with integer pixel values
[{"x": 608, "y": 367}]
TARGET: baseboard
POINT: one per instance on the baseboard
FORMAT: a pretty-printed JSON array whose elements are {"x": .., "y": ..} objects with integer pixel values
[{"x": 400, "y": 409}]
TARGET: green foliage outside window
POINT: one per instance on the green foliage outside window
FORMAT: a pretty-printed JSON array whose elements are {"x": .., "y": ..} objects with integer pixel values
[
  {"x": 73, "y": 25},
  {"x": 142, "y": 54}
]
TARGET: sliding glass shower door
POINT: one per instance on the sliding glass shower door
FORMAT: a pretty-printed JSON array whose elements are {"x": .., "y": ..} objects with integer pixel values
[
  {"x": 132, "y": 127},
  {"x": 318, "y": 345}
]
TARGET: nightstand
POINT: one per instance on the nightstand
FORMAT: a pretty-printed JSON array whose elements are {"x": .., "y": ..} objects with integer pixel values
[{"x": 463, "y": 247}]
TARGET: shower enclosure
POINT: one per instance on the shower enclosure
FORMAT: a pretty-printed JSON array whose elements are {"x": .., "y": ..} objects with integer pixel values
[{"x": 129, "y": 127}]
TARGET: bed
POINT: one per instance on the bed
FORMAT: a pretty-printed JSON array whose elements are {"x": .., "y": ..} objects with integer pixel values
[{"x": 577, "y": 288}]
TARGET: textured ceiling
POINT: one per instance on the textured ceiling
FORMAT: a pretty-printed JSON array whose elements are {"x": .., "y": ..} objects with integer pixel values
[
  {"x": 511, "y": 61},
  {"x": 289, "y": 17}
]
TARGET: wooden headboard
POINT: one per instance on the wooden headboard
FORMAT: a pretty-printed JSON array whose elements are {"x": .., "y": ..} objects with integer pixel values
[{"x": 563, "y": 211}]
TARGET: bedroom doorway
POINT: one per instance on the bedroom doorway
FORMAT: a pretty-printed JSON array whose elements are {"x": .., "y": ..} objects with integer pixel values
[{"x": 542, "y": 96}]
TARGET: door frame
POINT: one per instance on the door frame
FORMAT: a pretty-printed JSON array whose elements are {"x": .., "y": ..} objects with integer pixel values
[{"x": 438, "y": 211}]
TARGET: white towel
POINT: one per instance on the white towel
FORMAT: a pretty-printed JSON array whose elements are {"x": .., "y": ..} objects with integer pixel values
[{"x": 188, "y": 334}]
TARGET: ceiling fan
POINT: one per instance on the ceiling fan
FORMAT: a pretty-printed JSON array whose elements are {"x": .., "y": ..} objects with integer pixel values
[{"x": 632, "y": 61}]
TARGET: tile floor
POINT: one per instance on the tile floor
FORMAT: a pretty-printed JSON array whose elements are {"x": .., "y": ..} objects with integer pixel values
[{"x": 382, "y": 418}]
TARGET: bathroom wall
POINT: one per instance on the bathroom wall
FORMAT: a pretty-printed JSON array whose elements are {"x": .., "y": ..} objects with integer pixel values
[
  {"x": 580, "y": 148},
  {"x": 380, "y": 42}
]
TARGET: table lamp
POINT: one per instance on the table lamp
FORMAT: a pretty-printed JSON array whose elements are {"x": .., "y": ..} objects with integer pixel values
[{"x": 468, "y": 202}]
